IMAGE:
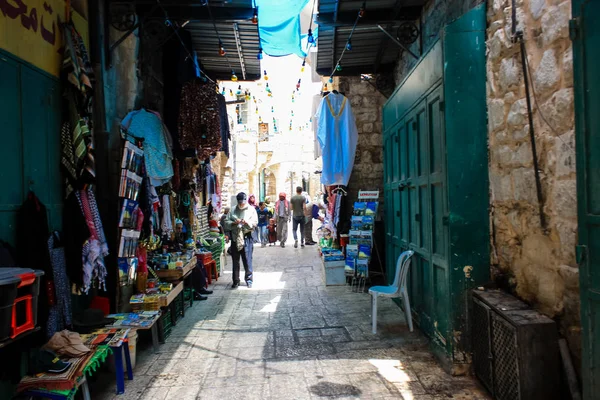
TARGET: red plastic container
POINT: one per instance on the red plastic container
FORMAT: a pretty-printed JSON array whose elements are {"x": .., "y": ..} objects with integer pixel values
[{"x": 19, "y": 291}]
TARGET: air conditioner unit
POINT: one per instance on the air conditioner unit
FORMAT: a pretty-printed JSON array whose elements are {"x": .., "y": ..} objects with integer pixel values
[{"x": 515, "y": 348}]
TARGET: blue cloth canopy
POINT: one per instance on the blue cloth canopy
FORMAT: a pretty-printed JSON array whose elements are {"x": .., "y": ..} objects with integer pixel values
[{"x": 279, "y": 26}]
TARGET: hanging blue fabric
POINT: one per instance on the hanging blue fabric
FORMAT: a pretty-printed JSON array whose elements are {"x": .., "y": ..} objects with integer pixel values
[{"x": 279, "y": 26}]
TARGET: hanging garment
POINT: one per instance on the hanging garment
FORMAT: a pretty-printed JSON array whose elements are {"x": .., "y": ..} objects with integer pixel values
[
  {"x": 167, "y": 222},
  {"x": 225, "y": 133},
  {"x": 95, "y": 248},
  {"x": 32, "y": 246},
  {"x": 158, "y": 155},
  {"x": 199, "y": 119},
  {"x": 76, "y": 138},
  {"x": 60, "y": 313},
  {"x": 337, "y": 136},
  {"x": 314, "y": 123},
  {"x": 280, "y": 27}
]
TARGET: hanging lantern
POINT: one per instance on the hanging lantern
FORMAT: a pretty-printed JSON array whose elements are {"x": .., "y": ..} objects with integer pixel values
[
  {"x": 247, "y": 95},
  {"x": 311, "y": 38},
  {"x": 298, "y": 84},
  {"x": 222, "y": 51},
  {"x": 231, "y": 92},
  {"x": 259, "y": 56},
  {"x": 266, "y": 76},
  {"x": 256, "y": 111},
  {"x": 233, "y": 76},
  {"x": 273, "y": 110},
  {"x": 338, "y": 68},
  {"x": 349, "y": 45},
  {"x": 223, "y": 91},
  {"x": 239, "y": 91},
  {"x": 268, "y": 89},
  {"x": 303, "y": 65},
  {"x": 254, "y": 99},
  {"x": 255, "y": 17},
  {"x": 330, "y": 80}
]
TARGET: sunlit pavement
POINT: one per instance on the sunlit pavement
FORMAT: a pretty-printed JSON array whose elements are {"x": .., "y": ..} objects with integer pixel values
[{"x": 289, "y": 337}]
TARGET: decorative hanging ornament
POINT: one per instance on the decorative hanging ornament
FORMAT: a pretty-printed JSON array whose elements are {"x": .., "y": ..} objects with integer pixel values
[
  {"x": 231, "y": 92},
  {"x": 268, "y": 89},
  {"x": 247, "y": 95},
  {"x": 338, "y": 68},
  {"x": 298, "y": 84},
  {"x": 311, "y": 38},
  {"x": 303, "y": 65},
  {"x": 330, "y": 80},
  {"x": 256, "y": 111},
  {"x": 223, "y": 92},
  {"x": 273, "y": 110},
  {"x": 233, "y": 76},
  {"x": 222, "y": 51},
  {"x": 266, "y": 76},
  {"x": 349, "y": 45},
  {"x": 259, "y": 56},
  {"x": 255, "y": 17},
  {"x": 239, "y": 91},
  {"x": 361, "y": 12}
]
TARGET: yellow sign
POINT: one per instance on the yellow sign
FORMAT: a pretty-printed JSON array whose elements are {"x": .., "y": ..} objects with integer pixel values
[{"x": 31, "y": 30}]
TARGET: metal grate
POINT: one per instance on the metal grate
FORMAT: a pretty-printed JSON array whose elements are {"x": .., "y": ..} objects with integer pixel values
[
  {"x": 506, "y": 366},
  {"x": 482, "y": 362}
]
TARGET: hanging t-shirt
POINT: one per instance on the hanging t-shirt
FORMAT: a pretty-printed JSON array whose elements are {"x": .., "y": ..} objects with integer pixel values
[
  {"x": 158, "y": 155},
  {"x": 338, "y": 136}
]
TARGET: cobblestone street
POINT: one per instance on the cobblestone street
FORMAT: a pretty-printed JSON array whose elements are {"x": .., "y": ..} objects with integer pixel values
[{"x": 289, "y": 337}]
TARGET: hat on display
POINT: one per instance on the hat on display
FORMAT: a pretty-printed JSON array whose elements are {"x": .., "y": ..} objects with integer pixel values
[
  {"x": 43, "y": 360},
  {"x": 89, "y": 320},
  {"x": 67, "y": 343},
  {"x": 241, "y": 196}
]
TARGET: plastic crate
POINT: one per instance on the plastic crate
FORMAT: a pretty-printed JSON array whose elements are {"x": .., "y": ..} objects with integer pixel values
[
  {"x": 19, "y": 291},
  {"x": 188, "y": 297},
  {"x": 167, "y": 325}
]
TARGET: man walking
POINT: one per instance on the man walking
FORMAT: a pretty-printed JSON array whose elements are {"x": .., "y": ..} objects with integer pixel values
[
  {"x": 282, "y": 211},
  {"x": 241, "y": 221},
  {"x": 298, "y": 207},
  {"x": 264, "y": 215}
]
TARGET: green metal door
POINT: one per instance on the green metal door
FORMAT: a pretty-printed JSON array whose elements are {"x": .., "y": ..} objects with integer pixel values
[
  {"x": 586, "y": 57},
  {"x": 30, "y": 150}
]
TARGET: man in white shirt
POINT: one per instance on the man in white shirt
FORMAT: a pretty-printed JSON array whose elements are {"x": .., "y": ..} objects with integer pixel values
[{"x": 242, "y": 221}]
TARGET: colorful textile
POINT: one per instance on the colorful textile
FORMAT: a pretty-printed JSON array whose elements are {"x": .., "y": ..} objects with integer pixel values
[
  {"x": 60, "y": 313},
  {"x": 200, "y": 119},
  {"x": 280, "y": 26},
  {"x": 225, "y": 133},
  {"x": 78, "y": 152},
  {"x": 158, "y": 156},
  {"x": 95, "y": 248},
  {"x": 338, "y": 137}
]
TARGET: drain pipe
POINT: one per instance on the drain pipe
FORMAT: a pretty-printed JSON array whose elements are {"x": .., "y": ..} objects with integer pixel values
[{"x": 518, "y": 37}]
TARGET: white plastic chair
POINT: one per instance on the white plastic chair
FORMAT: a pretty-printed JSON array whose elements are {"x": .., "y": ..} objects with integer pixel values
[{"x": 396, "y": 290}]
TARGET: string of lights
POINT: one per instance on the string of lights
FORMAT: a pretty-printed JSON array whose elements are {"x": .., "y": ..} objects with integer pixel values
[
  {"x": 222, "y": 50},
  {"x": 348, "y": 46}
]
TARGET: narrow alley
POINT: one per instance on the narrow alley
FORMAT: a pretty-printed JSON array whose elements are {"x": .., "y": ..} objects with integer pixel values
[{"x": 290, "y": 337}]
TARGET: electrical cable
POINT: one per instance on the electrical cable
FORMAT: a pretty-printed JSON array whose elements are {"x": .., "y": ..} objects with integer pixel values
[
  {"x": 169, "y": 23},
  {"x": 358, "y": 16},
  {"x": 218, "y": 35}
]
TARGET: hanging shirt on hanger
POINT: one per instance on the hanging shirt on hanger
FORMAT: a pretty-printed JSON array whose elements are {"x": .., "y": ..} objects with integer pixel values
[
  {"x": 338, "y": 136},
  {"x": 158, "y": 155}
]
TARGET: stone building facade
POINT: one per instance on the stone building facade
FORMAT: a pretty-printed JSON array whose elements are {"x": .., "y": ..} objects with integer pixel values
[
  {"x": 539, "y": 266},
  {"x": 536, "y": 265},
  {"x": 367, "y": 104}
]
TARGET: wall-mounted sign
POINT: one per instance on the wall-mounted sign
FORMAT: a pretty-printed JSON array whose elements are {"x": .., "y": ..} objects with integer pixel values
[{"x": 31, "y": 30}]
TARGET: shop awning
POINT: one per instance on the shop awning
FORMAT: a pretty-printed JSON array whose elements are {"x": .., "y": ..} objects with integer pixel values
[
  {"x": 372, "y": 50},
  {"x": 236, "y": 31}
]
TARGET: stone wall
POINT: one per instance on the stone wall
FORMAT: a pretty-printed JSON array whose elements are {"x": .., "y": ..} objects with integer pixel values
[
  {"x": 436, "y": 14},
  {"x": 367, "y": 104},
  {"x": 539, "y": 266}
]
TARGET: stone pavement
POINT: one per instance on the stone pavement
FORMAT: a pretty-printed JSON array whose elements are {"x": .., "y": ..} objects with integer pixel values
[{"x": 289, "y": 337}]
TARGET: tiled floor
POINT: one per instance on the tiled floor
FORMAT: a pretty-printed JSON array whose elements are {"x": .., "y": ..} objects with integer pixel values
[{"x": 289, "y": 337}]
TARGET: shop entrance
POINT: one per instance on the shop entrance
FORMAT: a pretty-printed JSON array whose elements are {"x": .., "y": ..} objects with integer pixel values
[
  {"x": 30, "y": 150},
  {"x": 586, "y": 55}
]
